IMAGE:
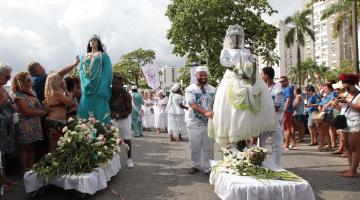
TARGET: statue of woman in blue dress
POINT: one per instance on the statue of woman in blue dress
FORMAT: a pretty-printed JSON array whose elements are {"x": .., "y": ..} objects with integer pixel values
[{"x": 95, "y": 72}]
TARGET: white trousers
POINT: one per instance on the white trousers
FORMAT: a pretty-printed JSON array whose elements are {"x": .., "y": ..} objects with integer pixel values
[
  {"x": 277, "y": 137},
  {"x": 201, "y": 147}
]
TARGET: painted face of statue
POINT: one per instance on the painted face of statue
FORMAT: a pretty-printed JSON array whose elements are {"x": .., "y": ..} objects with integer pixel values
[
  {"x": 94, "y": 43},
  {"x": 235, "y": 41},
  {"x": 234, "y": 38}
]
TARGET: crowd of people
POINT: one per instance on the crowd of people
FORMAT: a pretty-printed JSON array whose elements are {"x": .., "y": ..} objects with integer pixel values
[{"x": 241, "y": 110}]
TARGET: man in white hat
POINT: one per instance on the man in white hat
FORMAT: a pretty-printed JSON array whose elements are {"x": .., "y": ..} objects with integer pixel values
[{"x": 200, "y": 98}]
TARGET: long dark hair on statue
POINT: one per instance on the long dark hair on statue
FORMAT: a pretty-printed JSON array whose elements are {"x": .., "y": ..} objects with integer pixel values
[{"x": 100, "y": 46}]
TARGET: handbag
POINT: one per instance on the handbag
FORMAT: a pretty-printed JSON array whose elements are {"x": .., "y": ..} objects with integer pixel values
[
  {"x": 318, "y": 117},
  {"x": 340, "y": 121}
]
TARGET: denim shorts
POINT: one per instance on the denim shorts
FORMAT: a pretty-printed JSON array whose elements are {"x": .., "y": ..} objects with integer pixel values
[
  {"x": 310, "y": 121},
  {"x": 328, "y": 118}
]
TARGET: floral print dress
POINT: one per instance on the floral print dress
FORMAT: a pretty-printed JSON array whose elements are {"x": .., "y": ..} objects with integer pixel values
[
  {"x": 28, "y": 130},
  {"x": 7, "y": 132}
]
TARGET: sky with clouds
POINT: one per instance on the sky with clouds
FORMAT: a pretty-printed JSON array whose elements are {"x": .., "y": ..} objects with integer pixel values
[{"x": 53, "y": 32}]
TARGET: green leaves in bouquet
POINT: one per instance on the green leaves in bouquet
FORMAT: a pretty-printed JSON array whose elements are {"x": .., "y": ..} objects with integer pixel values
[
  {"x": 84, "y": 146},
  {"x": 248, "y": 163}
]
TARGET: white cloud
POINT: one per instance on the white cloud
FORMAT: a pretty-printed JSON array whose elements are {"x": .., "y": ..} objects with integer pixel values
[
  {"x": 53, "y": 32},
  {"x": 284, "y": 7}
]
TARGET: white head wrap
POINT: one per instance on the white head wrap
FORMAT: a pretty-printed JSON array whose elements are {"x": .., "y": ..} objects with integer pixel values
[
  {"x": 234, "y": 30},
  {"x": 134, "y": 87},
  {"x": 175, "y": 87},
  {"x": 338, "y": 85},
  {"x": 202, "y": 69}
]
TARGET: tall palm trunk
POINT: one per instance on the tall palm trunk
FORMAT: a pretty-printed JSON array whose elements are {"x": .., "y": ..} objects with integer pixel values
[
  {"x": 299, "y": 63},
  {"x": 313, "y": 27},
  {"x": 355, "y": 56}
]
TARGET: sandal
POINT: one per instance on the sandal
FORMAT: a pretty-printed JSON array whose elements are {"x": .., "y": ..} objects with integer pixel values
[
  {"x": 322, "y": 149},
  {"x": 312, "y": 144},
  {"x": 337, "y": 152}
]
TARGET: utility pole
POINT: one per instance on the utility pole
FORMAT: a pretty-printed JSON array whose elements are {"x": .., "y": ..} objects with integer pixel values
[{"x": 355, "y": 37}]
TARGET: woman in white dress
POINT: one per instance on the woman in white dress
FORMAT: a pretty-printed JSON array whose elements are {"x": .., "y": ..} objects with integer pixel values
[
  {"x": 176, "y": 113},
  {"x": 148, "y": 107},
  {"x": 160, "y": 113},
  {"x": 243, "y": 106}
]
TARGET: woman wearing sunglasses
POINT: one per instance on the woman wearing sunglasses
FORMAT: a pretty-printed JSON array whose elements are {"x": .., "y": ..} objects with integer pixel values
[{"x": 7, "y": 133}]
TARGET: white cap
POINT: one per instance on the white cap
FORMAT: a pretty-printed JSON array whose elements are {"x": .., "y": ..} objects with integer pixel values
[
  {"x": 202, "y": 69},
  {"x": 338, "y": 85},
  {"x": 134, "y": 87}
]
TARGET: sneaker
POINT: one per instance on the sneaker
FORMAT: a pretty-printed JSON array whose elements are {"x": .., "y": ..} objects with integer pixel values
[{"x": 130, "y": 163}]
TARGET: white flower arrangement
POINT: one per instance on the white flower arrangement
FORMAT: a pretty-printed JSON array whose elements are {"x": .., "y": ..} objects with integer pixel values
[
  {"x": 248, "y": 163},
  {"x": 84, "y": 146}
]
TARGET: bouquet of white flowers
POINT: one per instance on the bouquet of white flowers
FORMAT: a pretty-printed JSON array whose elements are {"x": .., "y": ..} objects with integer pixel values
[
  {"x": 248, "y": 163},
  {"x": 83, "y": 147}
]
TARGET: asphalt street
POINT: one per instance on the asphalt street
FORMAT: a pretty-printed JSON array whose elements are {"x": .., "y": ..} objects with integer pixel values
[{"x": 160, "y": 173}]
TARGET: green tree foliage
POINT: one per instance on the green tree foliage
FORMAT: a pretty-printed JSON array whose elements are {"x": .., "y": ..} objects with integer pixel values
[
  {"x": 311, "y": 70},
  {"x": 271, "y": 59},
  {"x": 345, "y": 67},
  {"x": 198, "y": 28},
  {"x": 130, "y": 63},
  {"x": 296, "y": 34}
]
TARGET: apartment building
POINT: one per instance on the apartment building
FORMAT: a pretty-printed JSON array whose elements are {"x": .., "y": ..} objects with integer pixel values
[
  {"x": 327, "y": 50},
  {"x": 288, "y": 56},
  {"x": 168, "y": 76}
]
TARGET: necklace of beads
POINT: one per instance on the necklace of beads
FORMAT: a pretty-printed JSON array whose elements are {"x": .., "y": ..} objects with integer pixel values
[{"x": 92, "y": 72}]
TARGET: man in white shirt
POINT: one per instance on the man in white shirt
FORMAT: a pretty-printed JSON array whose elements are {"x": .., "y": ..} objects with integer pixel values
[
  {"x": 200, "y": 98},
  {"x": 267, "y": 74}
]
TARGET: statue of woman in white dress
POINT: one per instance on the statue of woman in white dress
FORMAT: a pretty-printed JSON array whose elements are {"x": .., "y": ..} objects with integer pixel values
[{"x": 243, "y": 106}]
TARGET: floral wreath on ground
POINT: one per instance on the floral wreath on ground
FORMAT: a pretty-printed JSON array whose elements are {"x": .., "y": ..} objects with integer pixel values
[
  {"x": 248, "y": 163},
  {"x": 85, "y": 145}
]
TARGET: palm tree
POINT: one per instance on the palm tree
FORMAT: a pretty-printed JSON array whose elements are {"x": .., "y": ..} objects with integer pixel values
[
  {"x": 346, "y": 11},
  {"x": 271, "y": 59},
  {"x": 296, "y": 34},
  {"x": 342, "y": 10}
]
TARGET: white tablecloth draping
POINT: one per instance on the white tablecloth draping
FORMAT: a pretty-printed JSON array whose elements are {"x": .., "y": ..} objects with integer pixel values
[
  {"x": 88, "y": 183},
  {"x": 232, "y": 187}
]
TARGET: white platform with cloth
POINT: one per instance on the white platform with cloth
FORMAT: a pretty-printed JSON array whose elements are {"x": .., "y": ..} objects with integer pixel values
[
  {"x": 232, "y": 187},
  {"x": 88, "y": 183}
]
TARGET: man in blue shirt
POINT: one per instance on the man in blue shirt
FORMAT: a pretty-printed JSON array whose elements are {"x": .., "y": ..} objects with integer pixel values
[
  {"x": 288, "y": 111},
  {"x": 39, "y": 75}
]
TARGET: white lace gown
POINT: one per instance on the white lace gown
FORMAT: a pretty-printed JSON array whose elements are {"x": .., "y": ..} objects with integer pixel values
[
  {"x": 241, "y": 110},
  {"x": 176, "y": 115},
  {"x": 160, "y": 113},
  {"x": 148, "y": 117}
]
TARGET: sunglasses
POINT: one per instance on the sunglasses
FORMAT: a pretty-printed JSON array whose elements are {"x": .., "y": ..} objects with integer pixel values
[
  {"x": 6, "y": 77},
  {"x": 282, "y": 81}
]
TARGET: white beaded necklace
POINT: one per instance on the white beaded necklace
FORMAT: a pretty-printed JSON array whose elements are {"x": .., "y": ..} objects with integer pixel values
[{"x": 92, "y": 72}]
